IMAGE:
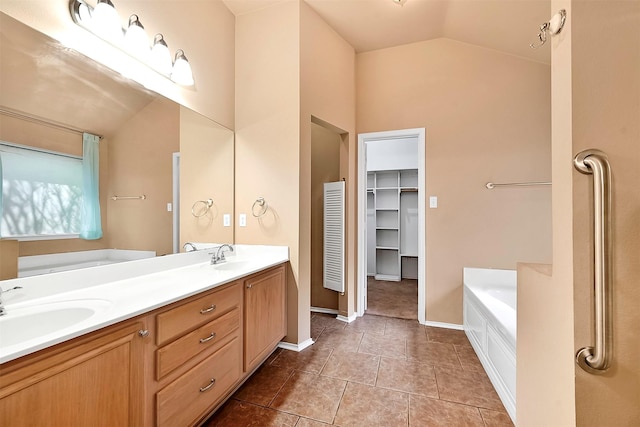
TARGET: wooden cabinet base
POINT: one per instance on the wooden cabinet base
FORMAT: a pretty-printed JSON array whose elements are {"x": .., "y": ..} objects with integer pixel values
[{"x": 92, "y": 384}]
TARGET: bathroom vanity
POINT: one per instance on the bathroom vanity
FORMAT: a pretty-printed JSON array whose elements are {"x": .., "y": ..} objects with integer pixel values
[{"x": 171, "y": 365}]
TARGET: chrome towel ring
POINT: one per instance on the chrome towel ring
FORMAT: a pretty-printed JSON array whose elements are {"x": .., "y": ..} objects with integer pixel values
[
  {"x": 201, "y": 207},
  {"x": 262, "y": 205}
]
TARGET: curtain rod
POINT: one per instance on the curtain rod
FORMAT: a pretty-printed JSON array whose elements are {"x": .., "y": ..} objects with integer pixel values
[{"x": 39, "y": 120}]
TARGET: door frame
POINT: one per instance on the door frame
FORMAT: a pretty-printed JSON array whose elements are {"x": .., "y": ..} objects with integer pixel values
[{"x": 363, "y": 138}]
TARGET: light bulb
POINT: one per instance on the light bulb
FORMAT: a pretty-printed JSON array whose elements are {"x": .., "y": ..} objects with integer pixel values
[
  {"x": 182, "y": 73},
  {"x": 136, "y": 40},
  {"x": 160, "y": 56},
  {"x": 106, "y": 22}
]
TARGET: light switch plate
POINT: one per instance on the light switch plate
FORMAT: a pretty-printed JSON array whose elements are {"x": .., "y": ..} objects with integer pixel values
[
  {"x": 433, "y": 202},
  {"x": 243, "y": 220},
  {"x": 226, "y": 220},
  {"x": 169, "y": 207}
]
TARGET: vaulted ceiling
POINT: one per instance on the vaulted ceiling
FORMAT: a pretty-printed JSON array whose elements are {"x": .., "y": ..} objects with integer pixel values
[{"x": 505, "y": 25}]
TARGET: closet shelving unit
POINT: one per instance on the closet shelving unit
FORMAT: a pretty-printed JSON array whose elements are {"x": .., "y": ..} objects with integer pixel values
[{"x": 393, "y": 215}]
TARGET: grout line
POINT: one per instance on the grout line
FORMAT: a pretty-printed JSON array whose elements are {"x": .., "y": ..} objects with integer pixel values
[
  {"x": 280, "y": 389},
  {"x": 346, "y": 384},
  {"x": 375, "y": 383}
]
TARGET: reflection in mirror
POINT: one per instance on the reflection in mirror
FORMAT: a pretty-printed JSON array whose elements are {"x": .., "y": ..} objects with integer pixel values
[{"x": 50, "y": 94}]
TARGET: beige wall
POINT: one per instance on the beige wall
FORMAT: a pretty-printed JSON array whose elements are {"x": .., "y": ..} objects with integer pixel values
[
  {"x": 140, "y": 162},
  {"x": 605, "y": 64},
  {"x": 203, "y": 29},
  {"x": 487, "y": 118},
  {"x": 268, "y": 138},
  {"x": 327, "y": 96},
  {"x": 545, "y": 369},
  {"x": 325, "y": 167},
  {"x": 206, "y": 164},
  {"x": 308, "y": 71}
]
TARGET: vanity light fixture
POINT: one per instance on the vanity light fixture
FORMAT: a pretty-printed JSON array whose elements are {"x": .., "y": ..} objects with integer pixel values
[
  {"x": 136, "y": 39},
  {"x": 160, "y": 55},
  {"x": 104, "y": 22},
  {"x": 181, "y": 73}
]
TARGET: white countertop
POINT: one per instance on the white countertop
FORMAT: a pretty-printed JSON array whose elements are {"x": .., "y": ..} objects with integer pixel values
[{"x": 116, "y": 292}]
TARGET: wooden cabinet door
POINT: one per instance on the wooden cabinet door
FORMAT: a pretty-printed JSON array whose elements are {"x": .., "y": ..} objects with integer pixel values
[
  {"x": 264, "y": 315},
  {"x": 92, "y": 383}
]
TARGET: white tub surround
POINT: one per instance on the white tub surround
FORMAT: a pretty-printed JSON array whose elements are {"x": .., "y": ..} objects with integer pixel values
[
  {"x": 490, "y": 298},
  {"x": 53, "y": 263},
  {"x": 117, "y": 292}
]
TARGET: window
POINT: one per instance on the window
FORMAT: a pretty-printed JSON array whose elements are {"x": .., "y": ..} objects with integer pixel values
[{"x": 41, "y": 193}]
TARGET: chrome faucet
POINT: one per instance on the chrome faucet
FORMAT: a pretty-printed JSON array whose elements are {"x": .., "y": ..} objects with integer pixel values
[
  {"x": 218, "y": 256},
  {"x": 189, "y": 247},
  {"x": 3, "y": 311}
]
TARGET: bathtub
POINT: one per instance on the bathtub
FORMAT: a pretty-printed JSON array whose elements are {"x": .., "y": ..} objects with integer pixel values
[
  {"x": 52, "y": 263},
  {"x": 490, "y": 324}
]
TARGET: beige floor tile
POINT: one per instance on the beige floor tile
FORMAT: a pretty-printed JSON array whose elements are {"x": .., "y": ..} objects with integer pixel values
[
  {"x": 383, "y": 345},
  {"x": 306, "y": 422},
  {"x": 326, "y": 321},
  {"x": 339, "y": 340},
  {"x": 425, "y": 412},
  {"x": 469, "y": 388},
  {"x": 410, "y": 377},
  {"x": 409, "y": 329},
  {"x": 496, "y": 418},
  {"x": 393, "y": 299},
  {"x": 364, "y": 405},
  {"x": 468, "y": 358},
  {"x": 356, "y": 367},
  {"x": 368, "y": 324},
  {"x": 311, "y": 396},
  {"x": 434, "y": 353},
  {"x": 448, "y": 336},
  {"x": 242, "y": 414},
  {"x": 263, "y": 385},
  {"x": 311, "y": 359},
  {"x": 316, "y": 330}
]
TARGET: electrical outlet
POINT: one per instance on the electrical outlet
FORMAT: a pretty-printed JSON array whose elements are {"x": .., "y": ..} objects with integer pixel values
[
  {"x": 243, "y": 220},
  {"x": 226, "y": 220},
  {"x": 433, "y": 202},
  {"x": 169, "y": 207}
]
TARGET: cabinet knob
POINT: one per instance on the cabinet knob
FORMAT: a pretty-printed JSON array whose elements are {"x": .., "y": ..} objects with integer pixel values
[
  {"x": 249, "y": 286},
  {"x": 143, "y": 333},
  {"x": 209, "y": 338},
  {"x": 211, "y": 384},
  {"x": 208, "y": 310}
]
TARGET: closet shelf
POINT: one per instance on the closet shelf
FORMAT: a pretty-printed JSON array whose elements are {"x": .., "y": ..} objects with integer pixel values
[{"x": 388, "y": 248}]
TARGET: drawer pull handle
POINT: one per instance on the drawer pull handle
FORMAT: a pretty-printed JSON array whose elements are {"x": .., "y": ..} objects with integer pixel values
[
  {"x": 211, "y": 384},
  {"x": 143, "y": 333},
  {"x": 208, "y": 310},
  {"x": 209, "y": 338}
]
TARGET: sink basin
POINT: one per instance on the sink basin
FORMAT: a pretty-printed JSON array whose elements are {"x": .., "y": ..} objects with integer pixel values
[
  {"x": 232, "y": 265},
  {"x": 24, "y": 324}
]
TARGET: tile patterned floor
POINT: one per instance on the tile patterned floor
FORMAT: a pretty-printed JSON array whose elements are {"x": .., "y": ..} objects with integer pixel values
[
  {"x": 376, "y": 371},
  {"x": 393, "y": 299}
]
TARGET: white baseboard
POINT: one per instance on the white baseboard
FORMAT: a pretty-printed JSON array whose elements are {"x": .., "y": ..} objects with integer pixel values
[
  {"x": 296, "y": 347},
  {"x": 346, "y": 319},
  {"x": 324, "y": 310},
  {"x": 444, "y": 325}
]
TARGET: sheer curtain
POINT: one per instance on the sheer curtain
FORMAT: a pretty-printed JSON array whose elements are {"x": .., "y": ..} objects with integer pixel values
[{"x": 91, "y": 228}]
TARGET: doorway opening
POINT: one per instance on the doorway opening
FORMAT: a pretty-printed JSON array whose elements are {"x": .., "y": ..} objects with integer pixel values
[
  {"x": 391, "y": 223},
  {"x": 328, "y": 167}
]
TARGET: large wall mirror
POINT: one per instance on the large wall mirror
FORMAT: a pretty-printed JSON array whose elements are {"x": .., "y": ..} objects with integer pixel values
[{"x": 44, "y": 85}]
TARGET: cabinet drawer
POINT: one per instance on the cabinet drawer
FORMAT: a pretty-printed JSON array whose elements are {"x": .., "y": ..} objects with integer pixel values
[
  {"x": 205, "y": 337},
  {"x": 181, "y": 319},
  {"x": 186, "y": 400}
]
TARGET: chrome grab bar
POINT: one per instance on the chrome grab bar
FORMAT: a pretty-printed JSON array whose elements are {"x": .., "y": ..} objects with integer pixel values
[{"x": 596, "y": 359}]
